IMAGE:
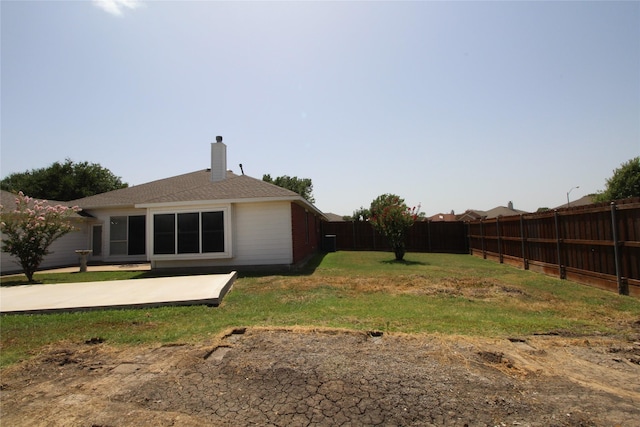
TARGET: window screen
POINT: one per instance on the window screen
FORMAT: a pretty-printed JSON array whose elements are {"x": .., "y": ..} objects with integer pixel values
[
  {"x": 164, "y": 231},
  {"x": 212, "y": 232},
  {"x": 188, "y": 233}
]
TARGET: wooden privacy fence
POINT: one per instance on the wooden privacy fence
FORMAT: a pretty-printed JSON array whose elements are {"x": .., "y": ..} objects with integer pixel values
[
  {"x": 423, "y": 236},
  {"x": 595, "y": 244}
]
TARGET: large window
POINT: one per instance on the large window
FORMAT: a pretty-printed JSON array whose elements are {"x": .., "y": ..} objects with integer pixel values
[
  {"x": 127, "y": 235},
  {"x": 118, "y": 238},
  {"x": 164, "y": 232},
  {"x": 137, "y": 244},
  {"x": 212, "y": 232},
  {"x": 188, "y": 233},
  {"x": 188, "y": 230}
]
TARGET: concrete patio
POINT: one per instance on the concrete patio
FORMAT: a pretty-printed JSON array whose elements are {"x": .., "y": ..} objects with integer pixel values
[{"x": 178, "y": 290}]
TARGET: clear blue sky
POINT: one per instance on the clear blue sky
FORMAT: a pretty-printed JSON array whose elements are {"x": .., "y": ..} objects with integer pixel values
[{"x": 453, "y": 105}]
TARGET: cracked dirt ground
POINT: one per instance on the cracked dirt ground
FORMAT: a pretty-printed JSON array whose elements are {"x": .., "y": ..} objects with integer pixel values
[{"x": 271, "y": 377}]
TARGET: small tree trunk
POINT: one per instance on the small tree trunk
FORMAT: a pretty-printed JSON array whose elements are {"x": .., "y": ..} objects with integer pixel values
[
  {"x": 29, "y": 269},
  {"x": 399, "y": 251}
]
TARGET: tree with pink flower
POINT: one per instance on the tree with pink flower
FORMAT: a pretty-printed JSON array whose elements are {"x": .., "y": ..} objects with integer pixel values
[
  {"x": 30, "y": 228},
  {"x": 391, "y": 217}
]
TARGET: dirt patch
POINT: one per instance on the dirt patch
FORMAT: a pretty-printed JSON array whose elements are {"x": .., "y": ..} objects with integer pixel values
[
  {"x": 481, "y": 289},
  {"x": 328, "y": 378}
]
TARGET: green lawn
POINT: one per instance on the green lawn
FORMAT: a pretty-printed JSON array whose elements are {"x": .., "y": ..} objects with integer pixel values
[{"x": 428, "y": 293}]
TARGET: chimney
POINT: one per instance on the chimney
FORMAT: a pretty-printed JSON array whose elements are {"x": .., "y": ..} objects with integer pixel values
[
  {"x": 510, "y": 205},
  {"x": 218, "y": 160}
]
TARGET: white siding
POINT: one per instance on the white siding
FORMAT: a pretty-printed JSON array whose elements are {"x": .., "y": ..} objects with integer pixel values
[
  {"x": 62, "y": 251},
  {"x": 261, "y": 234}
]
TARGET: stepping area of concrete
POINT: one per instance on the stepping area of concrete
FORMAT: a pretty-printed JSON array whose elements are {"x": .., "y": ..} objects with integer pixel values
[{"x": 177, "y": 290}]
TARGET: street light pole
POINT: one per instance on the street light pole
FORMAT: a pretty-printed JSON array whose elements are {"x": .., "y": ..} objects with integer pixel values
[{"x": 577, "y": 186}]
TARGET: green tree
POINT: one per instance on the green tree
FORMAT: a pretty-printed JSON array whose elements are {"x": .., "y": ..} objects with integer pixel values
[
  {"x": 624, "y": 183},
  {"x": 391, "y": 217},
  {"x": 63, "y": 181},
  {"x": 361, "y": 214},
  {"x": 302, "y": 186},
  {"x": 31, "y": 228}
]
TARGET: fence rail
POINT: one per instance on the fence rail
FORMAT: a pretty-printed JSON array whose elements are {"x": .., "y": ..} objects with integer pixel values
[
  {"x": 423, "y": 236},
  {"x": 595, "y": 244}
]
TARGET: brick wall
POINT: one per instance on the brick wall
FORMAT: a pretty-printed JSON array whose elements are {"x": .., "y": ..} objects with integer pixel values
[{"x": 305, "y": 229}]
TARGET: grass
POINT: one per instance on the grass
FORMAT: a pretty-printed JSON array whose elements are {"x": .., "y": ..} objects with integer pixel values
[
  {"x": 428, "y": 293},
  {"x": 89, "y": 276},
  {"x": 76, "y": 277}
]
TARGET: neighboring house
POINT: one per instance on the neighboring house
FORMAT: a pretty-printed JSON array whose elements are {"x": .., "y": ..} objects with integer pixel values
[
  {"x": 583, "y": 201},
  {"x": 207, "y": 218},
  {"x": 443, "y": 217},
  {"x": 472, "y": 215},
  {"x": 331, "y": 217},
  {"x": 62, "y": 251}
]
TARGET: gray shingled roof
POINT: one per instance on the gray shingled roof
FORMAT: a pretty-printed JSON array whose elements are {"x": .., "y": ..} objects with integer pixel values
[
  {"x": 334, "y": 217},
  {"x": 472, "y": 214},
  {"x": 583, "y": 201},
  {"x": 194, "y": 186},
  {"x": 503, "y": 211},
  {"x": 7, "y": 199}
]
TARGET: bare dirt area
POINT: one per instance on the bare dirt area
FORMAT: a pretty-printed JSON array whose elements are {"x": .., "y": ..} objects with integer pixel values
[{"x": 273, "y": 377}]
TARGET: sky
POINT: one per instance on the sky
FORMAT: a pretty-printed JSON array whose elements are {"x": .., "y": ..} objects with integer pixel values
[{"x": 450, "y": 105}]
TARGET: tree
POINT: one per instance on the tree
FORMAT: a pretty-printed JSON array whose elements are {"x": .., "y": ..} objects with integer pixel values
[
  {"x": 624, "y": 183},
  {"x": 361, "y": 214},
  {"x": 391, "y": 217},
  {"x": 302, "y": 186},
  {"x": 31, "y": 228},
  {"x": 63, "y": 181}
]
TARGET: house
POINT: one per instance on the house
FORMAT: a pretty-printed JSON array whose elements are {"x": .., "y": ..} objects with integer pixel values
[
  {"x": 207, "y": 218},
  {"x": 332, "y": 217},
  {"x": 443, "y": 217},
  {"x": 62, "y": 251},
  {"x": 472, "y": 214},
  {"x": 582, "y": 201}
]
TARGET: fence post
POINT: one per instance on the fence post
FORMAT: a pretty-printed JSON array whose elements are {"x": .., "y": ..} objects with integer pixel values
[
  {"x": 558, "y": 241},
  {"x": 525, "y": 261},
  {"x": 499, "y": 240},
  {"x": 623, "y": 286},
  {"x": 484, "y": 250},
  {"x": 353, "y": 233}
]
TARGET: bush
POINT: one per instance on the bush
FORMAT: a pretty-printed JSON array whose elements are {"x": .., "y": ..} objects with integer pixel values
[
  {"x": 391, "y": 217},
  {"x": 31, "y": 228}
]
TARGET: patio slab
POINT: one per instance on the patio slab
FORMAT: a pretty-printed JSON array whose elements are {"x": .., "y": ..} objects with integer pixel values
[{"x": 178, "y": 290}]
